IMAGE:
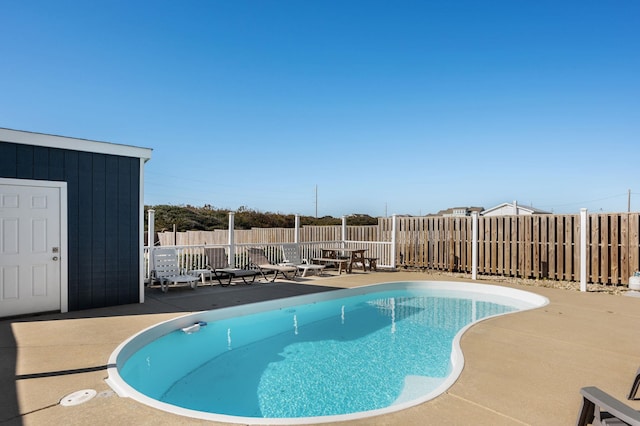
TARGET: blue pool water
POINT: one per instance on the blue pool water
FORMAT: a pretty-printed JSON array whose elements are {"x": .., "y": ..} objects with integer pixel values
[{"x": 364, "y": 351}]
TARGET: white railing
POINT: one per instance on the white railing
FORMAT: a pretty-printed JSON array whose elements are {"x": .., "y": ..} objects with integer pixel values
[{"x": 193, "y": 257}]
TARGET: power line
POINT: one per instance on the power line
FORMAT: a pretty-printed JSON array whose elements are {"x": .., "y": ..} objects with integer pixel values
[{"x": 590, "y": 201}]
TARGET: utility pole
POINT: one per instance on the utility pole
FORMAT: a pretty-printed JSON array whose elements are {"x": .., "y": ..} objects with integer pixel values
[
  {"x": 629, "y": 201},
  {"x": 316, "y": 201}
]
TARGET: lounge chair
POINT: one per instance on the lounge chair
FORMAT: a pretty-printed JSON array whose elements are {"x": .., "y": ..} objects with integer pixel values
[
  {"x": 600, "y": 408},
  {"x": 292, "y": 257},
  {"x": 259, "y": 260},
  {"x": 634, "y": 387},
  {"x": 167, "y": 270},
  {"x": 218, "y": 264}
]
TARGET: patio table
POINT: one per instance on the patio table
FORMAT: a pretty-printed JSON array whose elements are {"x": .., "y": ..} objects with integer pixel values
[{"x": 351, "y": 256}]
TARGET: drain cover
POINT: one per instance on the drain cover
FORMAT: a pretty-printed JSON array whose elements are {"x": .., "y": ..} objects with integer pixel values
[{"x": 78, "y": 397}]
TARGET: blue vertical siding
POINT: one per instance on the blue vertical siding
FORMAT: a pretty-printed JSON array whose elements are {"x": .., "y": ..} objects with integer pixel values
[
  {"x": 112, "y": 263},
  {"x": 103, "y": 193},
  {"x": 85, "y": 229},
  {"x": 24, "y": 162}
]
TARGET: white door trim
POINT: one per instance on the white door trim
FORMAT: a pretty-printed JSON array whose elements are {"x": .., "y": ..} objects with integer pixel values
[{"x": 64, "y": 264}]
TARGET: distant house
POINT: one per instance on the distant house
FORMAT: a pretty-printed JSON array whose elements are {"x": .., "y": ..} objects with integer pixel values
[
  {"x": 512, "y": 209},
  {"x": 459, "y": 211},
  {"x": 71, "y": 222}
]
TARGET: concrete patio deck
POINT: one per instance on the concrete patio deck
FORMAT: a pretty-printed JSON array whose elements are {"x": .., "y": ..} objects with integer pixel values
[{"x": 521, "y": 369}]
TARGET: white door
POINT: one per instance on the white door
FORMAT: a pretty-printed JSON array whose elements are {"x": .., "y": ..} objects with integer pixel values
[{"x": 30, "y": 248}]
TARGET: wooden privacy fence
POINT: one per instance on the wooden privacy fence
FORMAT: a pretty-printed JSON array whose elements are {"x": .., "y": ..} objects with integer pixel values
[
  {"x": 535, "y": 246},
  {"x": 531, "y": 246},
  {"x": 271, "y": 235}
]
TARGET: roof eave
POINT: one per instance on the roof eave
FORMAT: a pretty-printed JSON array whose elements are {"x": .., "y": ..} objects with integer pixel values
[{"x": 74, "y": 144}]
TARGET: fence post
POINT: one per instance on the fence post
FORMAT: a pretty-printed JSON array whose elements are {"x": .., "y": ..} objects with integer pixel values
[
  {"x": 232, "y": 244},
  {"x": 394, "y": 221},
  {"x": 474, "y": 245},
  {"x": 296, "y": 234},
  {"x": 151, "y": 241},
  {"x": 583, "y": 249},
  {"x": 344, "y": 230}
]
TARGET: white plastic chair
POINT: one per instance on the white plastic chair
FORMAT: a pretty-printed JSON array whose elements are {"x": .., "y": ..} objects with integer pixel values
[
  {"x": 167, "y": 270},
  {"x": 292, "y": 257}
]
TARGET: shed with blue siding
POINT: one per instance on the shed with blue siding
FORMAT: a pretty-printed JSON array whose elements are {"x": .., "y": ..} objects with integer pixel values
[{"x": 104, "y": 211}]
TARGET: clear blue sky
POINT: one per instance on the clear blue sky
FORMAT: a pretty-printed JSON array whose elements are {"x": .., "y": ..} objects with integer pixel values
[{"x": 404, "y": 107}]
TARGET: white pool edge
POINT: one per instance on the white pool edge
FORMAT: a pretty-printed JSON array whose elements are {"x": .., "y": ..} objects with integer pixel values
[{"x": 123, "y": 389}]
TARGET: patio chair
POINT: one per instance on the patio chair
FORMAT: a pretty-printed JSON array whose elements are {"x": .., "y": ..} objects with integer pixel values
[
  {"x": 167, "y": 270},
  {"x": 634, "y": 387},
  {"x": 600, "y": 408},
  {"x": 260, "y": 261},
  {"x": 218, "y": 264},
  {"x": 292, "y": 257}
]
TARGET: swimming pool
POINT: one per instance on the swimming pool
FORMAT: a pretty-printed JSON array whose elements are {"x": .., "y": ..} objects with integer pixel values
[{"x": 324, "y": 357}]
